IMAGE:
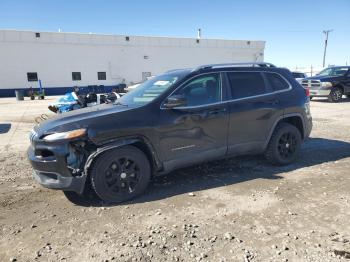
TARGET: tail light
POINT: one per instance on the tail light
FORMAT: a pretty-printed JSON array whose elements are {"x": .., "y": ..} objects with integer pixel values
[{"x": 307, "y": 91}]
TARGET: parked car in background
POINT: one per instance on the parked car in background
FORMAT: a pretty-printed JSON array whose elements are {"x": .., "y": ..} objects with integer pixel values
[
  {"x": 72, "y": 101},
  {"x": 177, "y": 119},
  {"x": 299, "y": 76},
  {"x": 332, "y": 82}
]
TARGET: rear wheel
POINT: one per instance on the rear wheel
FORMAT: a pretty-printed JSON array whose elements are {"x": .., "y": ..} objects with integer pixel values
[
  {"x": 120, "y": 174},
  {"x": 284, "y": 145},
  {"x": 335, "y": 95}
]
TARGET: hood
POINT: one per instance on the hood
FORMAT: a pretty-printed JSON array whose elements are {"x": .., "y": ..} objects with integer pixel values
[
  {"x": 80, "y": 118},
  {"x": 323, "y": 78}
]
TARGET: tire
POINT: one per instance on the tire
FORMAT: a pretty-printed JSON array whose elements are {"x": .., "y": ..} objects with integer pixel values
[
  {"x": 284, "y": 145},
  {"x": 120, "y": 174},
  {"x": 81, "y": 200},
  {"x": 311, "y": 98},
  {"x": 32, "y": 97},
  {"x": 87, "y": 198},
  {"x": 335, "y": 95}
]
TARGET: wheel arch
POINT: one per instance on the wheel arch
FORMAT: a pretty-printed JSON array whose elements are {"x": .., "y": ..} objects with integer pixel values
[
  {"x": 295, "y": 119},
  {"x": 341, "y": 86},
  {"x": 139, "y": 142}
]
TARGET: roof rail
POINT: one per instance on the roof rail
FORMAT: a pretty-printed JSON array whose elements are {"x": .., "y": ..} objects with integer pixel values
[
  {"x": 248, "y": 64},
  {"x": 177, "y": 69}
]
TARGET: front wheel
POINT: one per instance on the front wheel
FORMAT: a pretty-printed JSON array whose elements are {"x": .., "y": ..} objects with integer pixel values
[
  {"x": 284, "y": 145},
  {"x": 335, "y": 95},
  {"x": 120, "y": 174}
]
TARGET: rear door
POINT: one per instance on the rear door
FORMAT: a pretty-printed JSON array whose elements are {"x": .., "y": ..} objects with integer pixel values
[{"x": 254, "y": 108}]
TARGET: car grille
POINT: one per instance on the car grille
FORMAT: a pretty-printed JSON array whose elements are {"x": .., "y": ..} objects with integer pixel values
[{"x": 311, "y": 84}]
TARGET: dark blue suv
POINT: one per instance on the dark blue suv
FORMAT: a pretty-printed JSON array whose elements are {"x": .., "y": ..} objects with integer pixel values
[{"x": 176, "y": 119}]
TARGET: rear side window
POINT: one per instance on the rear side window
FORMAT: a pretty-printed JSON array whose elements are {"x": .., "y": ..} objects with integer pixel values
[
  {"x": 246, "y": 84},
  {"x": 276, "y": 82}
]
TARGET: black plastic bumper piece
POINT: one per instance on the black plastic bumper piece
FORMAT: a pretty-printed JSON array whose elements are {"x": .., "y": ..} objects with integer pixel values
[
  {"x": 57, "y": 181},
  {"x": 52, "y": 172}
]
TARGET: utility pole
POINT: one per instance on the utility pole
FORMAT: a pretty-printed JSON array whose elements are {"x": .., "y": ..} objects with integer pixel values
[{"x": 326, "y": 32}]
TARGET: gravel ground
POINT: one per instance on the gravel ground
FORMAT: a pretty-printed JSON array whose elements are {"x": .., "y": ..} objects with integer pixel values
[{"x": 239, "y": 209}]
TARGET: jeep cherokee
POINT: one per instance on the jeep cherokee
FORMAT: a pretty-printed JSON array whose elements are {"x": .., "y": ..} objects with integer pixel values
[{"x": 176, "y": 119}]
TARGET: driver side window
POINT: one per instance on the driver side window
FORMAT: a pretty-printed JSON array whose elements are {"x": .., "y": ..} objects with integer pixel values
[{"x": 202, "y": 90}]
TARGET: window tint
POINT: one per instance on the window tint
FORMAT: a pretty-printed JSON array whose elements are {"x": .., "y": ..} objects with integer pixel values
[
  {"x": 32, "y": 76},
  {"x": 101, "y": 76},
  {"x": 276, "y": 82},
  {"x": 76, "y": 76},
  {"x": 202, "y": 90},
  {"x": 246, "y": 84}
]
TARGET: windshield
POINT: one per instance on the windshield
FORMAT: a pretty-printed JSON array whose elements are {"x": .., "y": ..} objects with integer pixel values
[
  {"x": 334, "y": 71},
  {"x": 149, "y": 90},
  {"x": 298, "y": 75}
]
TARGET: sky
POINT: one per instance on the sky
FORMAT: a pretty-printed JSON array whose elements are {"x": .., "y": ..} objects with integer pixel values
[{"x": 292, "y": 29}]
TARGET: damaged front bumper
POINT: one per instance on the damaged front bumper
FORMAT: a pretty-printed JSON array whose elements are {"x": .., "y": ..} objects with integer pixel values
[{"x": 51, "y": 167}]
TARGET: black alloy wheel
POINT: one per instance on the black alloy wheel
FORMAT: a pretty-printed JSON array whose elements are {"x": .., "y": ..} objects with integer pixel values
[
  {"x": 287, "y": 145},
  {"x": 120, "y": 174},
  {"x": 284, "y": 145}
]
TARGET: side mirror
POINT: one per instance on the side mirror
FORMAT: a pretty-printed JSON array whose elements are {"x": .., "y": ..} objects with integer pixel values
[{"x": 175, "y": 101}]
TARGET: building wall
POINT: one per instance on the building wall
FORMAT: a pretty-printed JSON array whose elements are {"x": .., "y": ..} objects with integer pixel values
[{"x": 54, "y": 56}]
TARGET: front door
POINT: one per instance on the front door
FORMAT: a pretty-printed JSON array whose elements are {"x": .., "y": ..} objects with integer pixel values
[{"x": 198, "y": 130}]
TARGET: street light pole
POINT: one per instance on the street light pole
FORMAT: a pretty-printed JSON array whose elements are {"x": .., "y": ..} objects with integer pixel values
[{"x": 326, "y": 32}]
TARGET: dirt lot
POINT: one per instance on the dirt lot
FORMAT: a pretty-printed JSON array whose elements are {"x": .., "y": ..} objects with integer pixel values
[{"x": 239, "y": 209}]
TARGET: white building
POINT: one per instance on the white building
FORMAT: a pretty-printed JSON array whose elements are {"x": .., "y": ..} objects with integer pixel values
[{"x": 63, "y": 60}]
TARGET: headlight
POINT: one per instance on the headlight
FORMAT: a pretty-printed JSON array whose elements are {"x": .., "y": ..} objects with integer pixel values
[
  {"x": 326, "y": 84},
  {"x": 66, "y": 135}
]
